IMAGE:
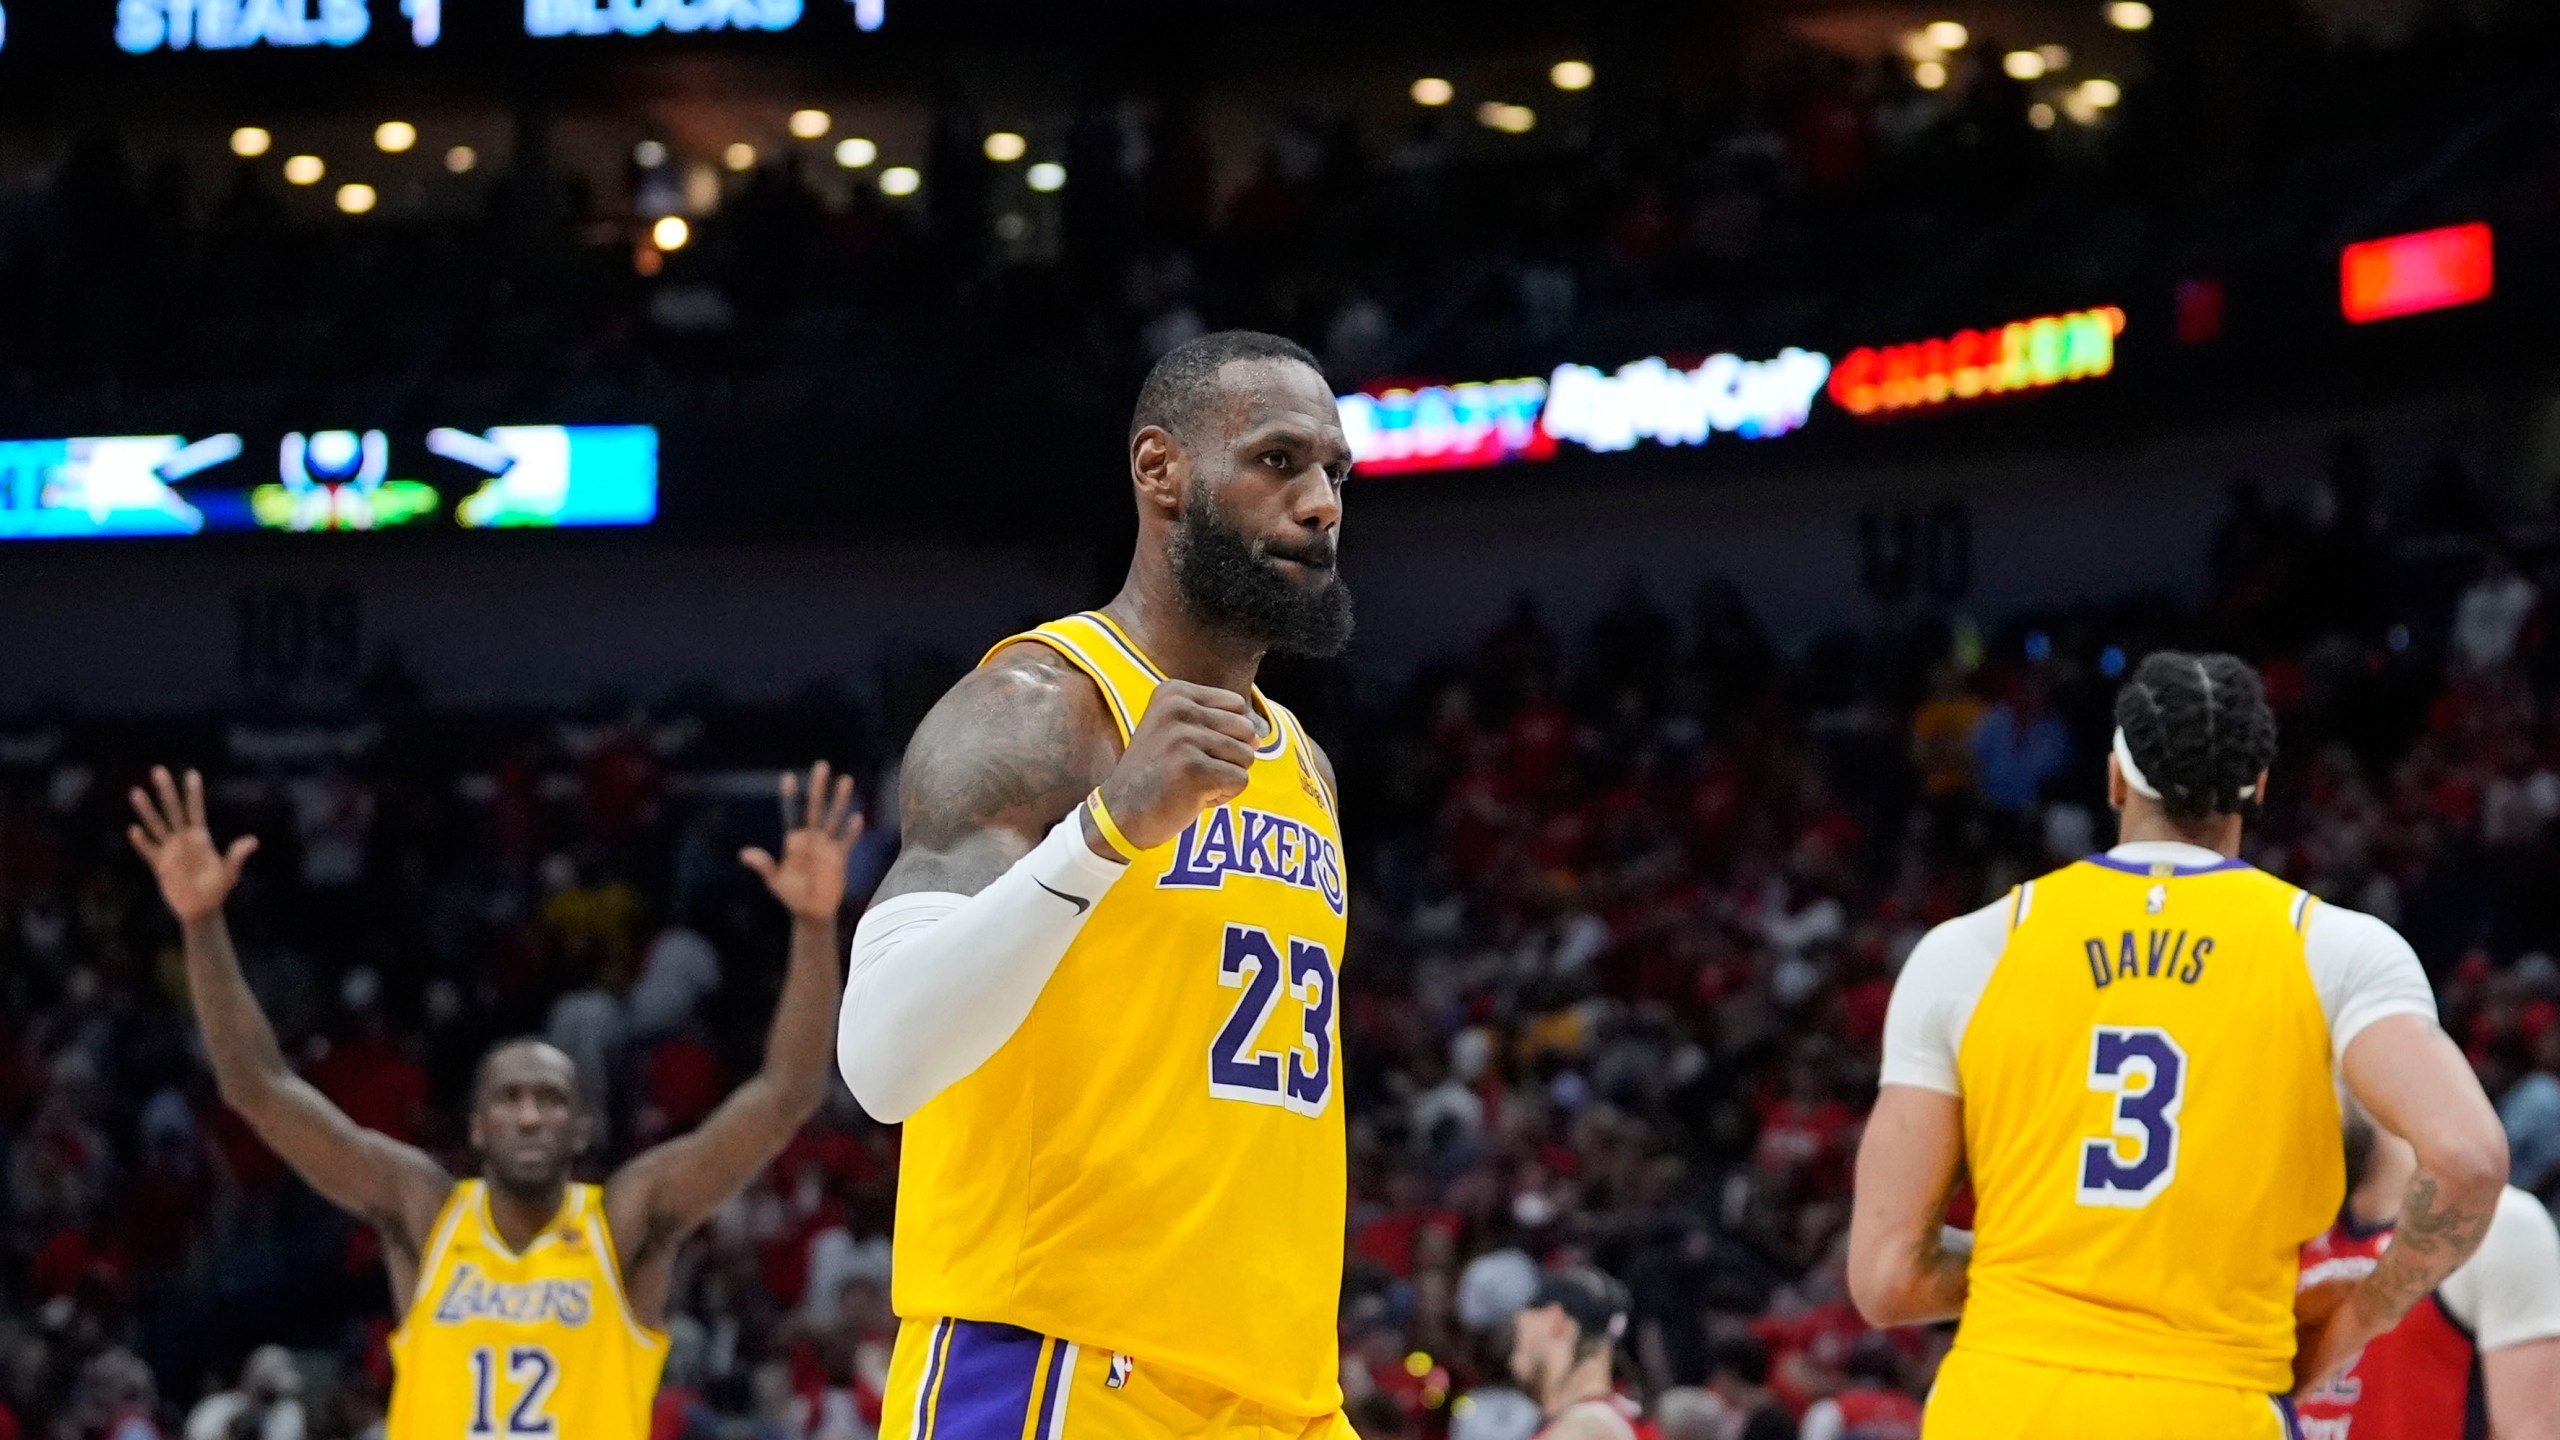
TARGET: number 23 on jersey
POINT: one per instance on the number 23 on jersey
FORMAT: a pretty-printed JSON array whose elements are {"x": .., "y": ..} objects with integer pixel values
[{"x": 1298, "y": 1078}]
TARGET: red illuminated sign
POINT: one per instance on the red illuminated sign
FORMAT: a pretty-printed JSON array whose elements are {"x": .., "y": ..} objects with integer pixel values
[
  {"x": 2408, "y": 274},
  {"x": 2023, "y": 355}
]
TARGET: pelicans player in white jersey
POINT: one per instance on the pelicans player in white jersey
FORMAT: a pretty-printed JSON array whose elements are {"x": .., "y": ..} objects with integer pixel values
[
  {"x": 1099, "y": 983},
  {"x": 530, "y": 1305}
]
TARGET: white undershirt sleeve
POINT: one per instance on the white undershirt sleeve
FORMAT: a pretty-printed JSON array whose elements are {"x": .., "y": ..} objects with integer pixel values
[
  {"x": 2363, "y": 971},
  {"x": 940, "y": 981},
  {"x": 2508, "y": 1292},
  {"x": 1934, "y": 997}
]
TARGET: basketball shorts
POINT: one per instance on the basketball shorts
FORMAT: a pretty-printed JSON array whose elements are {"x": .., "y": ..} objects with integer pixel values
[
  {"x": 971, "y": 1380},
  {"x": 1994, "y": 1397}
]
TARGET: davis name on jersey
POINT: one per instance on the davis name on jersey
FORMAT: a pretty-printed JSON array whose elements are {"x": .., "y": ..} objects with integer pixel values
[{"x": 2163, "y": 955}]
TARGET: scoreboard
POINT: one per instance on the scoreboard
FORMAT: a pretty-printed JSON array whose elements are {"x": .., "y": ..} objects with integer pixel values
[{"x": 75, "y": 29}]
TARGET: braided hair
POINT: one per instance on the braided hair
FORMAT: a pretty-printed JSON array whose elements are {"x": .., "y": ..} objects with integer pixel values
[{"x": 2200, "y": 729}]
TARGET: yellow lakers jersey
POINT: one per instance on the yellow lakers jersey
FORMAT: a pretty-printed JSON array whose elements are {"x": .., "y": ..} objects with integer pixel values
[
  {"x": 1153, "y": 1163},
  {"x": 540, "y": 1345},
  {"x": 2151, "y": 1123}
]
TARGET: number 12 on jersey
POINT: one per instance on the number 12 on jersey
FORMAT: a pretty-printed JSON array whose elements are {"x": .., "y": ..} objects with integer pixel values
[
  {"x": 529, "y": 1367},
  {"x": 2147, "y": 1073}
]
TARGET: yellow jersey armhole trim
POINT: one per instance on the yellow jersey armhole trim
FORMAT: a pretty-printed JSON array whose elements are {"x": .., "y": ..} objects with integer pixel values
[
  {"x": 2302, "y": 903},
  {"x": 457, "y": 1202},
  {"x": 599, "y": 1233},
  {"x": 1067, "y": 648}
]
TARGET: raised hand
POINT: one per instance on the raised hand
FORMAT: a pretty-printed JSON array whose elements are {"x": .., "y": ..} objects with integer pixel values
[
  {"x": 194, "y": 876},
  {"x": 1192, "y": 749},
  {"x": 819, "y": 834}
]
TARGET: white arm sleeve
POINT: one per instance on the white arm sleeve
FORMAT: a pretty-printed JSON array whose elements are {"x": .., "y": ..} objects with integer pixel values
[
  {"x": 1933, "y": 999},
  {"x": 2508, "y": 1292},
  {"x": 2364, "y": 972},
  {"x": 939, "y": 981}
]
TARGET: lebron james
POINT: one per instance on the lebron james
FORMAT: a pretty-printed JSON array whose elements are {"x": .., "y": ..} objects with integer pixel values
[{"x": 1099, "y": 983}]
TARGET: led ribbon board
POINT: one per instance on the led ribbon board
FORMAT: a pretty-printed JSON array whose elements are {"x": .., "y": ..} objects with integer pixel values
[
  {"x": 547, "y": 19},
  {"x": 506, "y": 477},
  {"x": 143, "y": 26},
  {"x": 1457, "y": 427},
  {"x": 2412, "y": 274},
  {"x": 1972, "y": 364}
]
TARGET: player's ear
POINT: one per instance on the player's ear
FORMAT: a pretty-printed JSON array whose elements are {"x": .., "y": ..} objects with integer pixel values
[
  {"x": 1158, "y": 468},
  {"x": 2117, "y": 790},
  {"x": 582, "y": 1133},
  {"x": 2258, "y": 792}
]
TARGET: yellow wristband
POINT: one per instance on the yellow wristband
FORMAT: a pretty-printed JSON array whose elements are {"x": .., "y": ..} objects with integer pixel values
[{"x": 1110, "y": 828}]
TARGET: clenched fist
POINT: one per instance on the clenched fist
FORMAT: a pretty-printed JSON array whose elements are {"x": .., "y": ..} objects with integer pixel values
[{"x": 1192, "y": 749}]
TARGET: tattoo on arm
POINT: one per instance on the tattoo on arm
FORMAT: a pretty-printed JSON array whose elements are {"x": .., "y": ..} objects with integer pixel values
[
  {"x": 1002, "y": 758},
  {"x": 2435, "y": 1234}
]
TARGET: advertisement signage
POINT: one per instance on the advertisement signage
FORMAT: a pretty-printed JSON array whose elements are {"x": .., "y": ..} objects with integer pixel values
[
  {"x": 505, "y": 477},
  {"x": 1457, "y": 427},
  {"x": 1973, "y": 364},
  {"x": 2412, "y": 274}
]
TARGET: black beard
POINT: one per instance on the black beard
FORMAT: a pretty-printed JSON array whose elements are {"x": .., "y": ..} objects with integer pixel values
[{"x": 1232, "y": 585}]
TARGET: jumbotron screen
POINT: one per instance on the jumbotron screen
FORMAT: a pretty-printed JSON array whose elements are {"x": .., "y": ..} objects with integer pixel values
[{"x": 322, "y": 481}]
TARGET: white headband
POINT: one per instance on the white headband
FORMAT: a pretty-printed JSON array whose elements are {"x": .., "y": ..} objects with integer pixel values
[{"x": 2140, "y": 785}]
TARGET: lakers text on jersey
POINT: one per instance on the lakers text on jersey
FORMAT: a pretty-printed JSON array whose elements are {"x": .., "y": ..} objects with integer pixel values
[
  {"x": 532, "y": 1345},
  {"x": 1152, "y": 1165},
  {"x": 2151, "y": 1124}
]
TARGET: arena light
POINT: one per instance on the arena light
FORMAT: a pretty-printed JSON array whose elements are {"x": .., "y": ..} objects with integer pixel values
[
  {"x": 1929, "y": 75},
  {"x": 2129, "y": 15},
  {"x": 461, "y": 160},
  {"x": 649, "y": 154},
  {"x": 394, "y": 137},
  {"x": 670, "y": 233},
  {"x": 1046, "y": 177},
  {"x": 2023, "y": 65},
  {"x": 1971, "y": 364},
  {"x": 2101, "y": 92},
  {"x": 810, "y": 124},
  {"x": 249, "y": 142},
  {"x": 1432, "y": 90},
  {"x": 740, "y": 156},
  {"x": 2041, "y": 115},
  {"x": 356, "y": 198},
  {"x": 1946, "y": 34},
  {"x": 854, "y": 152},
  {"x": 901, "y": 180},
  {"x": 1570, "y": 75},
  {"x": 1396, "y": 428},
  {"x": 304, "y": 170},
  {"x": 2412, "y": 274},
  {"x": 1004, "y": 147},
  {"x": 2055, "y": 57},
  {"x": 1509, "y": 119}
]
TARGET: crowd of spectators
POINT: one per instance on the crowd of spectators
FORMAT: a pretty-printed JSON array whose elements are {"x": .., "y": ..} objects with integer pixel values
[
  {"x": 1799, "y": 197},
  {"x": 1629, "y": 908}
]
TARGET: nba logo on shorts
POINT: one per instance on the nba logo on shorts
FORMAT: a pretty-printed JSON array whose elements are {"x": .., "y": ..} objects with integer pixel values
[{"x": 1121, "y": 1365}]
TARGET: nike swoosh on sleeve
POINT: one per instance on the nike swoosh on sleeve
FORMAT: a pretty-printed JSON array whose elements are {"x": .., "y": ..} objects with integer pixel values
[{"x": 1078, "y": 901}]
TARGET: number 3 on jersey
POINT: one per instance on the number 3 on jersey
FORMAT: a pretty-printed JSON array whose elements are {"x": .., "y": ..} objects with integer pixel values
[
  {"x": 2147, "y": 1073},
  {"x": 532, "y": 1370},
  {"x": 1299, "y": 1078}
]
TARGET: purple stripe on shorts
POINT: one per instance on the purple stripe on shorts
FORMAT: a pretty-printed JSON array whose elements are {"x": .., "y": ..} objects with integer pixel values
[
  {"x": 986, "y": 1382},
  {"x": 1050, "y": 1401}
]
